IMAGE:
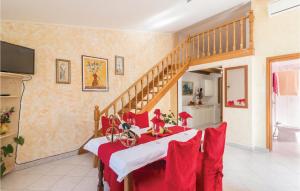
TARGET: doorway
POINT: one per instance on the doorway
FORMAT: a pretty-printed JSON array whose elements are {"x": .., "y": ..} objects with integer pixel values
[
  {"x": 200, "y": 94},
  {"x": 282, "y": 72}
]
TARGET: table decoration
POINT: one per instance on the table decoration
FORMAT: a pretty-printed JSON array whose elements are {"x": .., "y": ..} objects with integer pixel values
[{"x": 184, "y": 116}]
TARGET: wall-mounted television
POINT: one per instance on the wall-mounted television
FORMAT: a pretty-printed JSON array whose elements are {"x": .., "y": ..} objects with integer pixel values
[{"x": 16, "y": 59}]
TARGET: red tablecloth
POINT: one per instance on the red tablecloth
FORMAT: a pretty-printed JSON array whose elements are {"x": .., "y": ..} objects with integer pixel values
[{"x": 106, "y": 150}]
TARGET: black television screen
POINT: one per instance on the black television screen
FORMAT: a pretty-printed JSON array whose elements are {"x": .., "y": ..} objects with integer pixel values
[{"x": 16, "y": 59}]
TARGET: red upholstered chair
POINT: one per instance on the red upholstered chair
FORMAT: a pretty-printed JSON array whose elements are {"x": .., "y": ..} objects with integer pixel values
[
  {"x": 105, "y": 124},
  {"x": 128, "y": 116},
  {"x": 142, "y": 120},
  {"x": 177, "y": 173},
  {"x": 210, "y": 162}
]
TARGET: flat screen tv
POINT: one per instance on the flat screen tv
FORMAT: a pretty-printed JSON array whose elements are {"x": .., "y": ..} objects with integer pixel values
[{"x": 16, "y": 59}]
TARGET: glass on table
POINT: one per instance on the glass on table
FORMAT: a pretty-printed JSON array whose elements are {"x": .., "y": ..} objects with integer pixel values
[{"x": 156, "y": 131}]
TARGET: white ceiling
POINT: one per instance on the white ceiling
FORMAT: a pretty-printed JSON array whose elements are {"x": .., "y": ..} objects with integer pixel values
[{"x": 145, "y": 15}]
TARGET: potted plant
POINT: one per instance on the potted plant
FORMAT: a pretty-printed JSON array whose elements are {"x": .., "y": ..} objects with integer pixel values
[
  {"x": 7, "y": 151},
  {"x": 5, "y": 119}
]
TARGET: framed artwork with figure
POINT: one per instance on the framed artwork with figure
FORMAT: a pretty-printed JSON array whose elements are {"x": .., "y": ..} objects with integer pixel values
[
  {"x": 63, "y": 71},
  {"x": 119, "y": 65},
  {"x": 94, "y": 73},
  {"x": 187, "y": 88}
]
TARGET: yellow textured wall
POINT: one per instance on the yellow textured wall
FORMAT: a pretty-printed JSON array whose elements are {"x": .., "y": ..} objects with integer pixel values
[
  {"x": 273, "y": 36},
  {"x": 58, "y": 118}
]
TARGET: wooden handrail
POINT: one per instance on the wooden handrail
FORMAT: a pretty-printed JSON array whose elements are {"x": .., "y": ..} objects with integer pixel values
[
  {"x": 150, "y": 71},
  {"x": 233, "y": 37},
  {"x": 162, "y": 76},
  {"x": 224, "y": 25}
]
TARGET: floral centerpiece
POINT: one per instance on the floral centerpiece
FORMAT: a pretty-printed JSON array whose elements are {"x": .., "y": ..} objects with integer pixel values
[
  {"x": 169, "y": 118},
  {"x": 5, "y": 119}
]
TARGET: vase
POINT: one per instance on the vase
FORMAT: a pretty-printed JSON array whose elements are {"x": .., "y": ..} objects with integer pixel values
[{"x": 4, "y": 128}]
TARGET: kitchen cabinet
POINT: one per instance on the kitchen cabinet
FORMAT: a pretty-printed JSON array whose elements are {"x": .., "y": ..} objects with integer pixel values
[
  {"x": 201, "y": 115},
  {"x": 208, "y": 88}
]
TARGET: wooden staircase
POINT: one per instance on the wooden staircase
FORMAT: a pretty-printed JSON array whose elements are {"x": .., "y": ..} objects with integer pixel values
[
  {"x": 231, "y": 40},
  {"x": 153, "y": 85}
]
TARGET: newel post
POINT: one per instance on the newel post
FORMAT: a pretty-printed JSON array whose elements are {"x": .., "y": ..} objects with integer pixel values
[
  {"x": 251, "y": 20},
  {"x": 97, "y": 120}
]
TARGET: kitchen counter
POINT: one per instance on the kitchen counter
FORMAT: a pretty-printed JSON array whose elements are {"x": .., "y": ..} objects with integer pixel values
[{"x": 205, "y": 114}]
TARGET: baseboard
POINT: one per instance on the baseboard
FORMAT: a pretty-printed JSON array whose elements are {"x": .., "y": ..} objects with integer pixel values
[
  {"x": 248, "y": 148},
  {"x": 244, "y": 147},
  {"x": 45, "y": 160},
  {"x": 260, "y": 149}
]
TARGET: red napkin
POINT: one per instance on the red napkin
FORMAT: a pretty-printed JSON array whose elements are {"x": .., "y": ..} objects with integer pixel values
[{"x": 184, "y": 116}]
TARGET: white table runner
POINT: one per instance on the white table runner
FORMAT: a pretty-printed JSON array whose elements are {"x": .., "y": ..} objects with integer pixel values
[{"x": 125, "y": 161}]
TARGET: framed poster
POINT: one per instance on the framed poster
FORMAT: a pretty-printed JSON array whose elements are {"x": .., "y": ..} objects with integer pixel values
[
  {"x": 94, "y": 73},
  {"x": 63, "y": 71},
  {"x": 187, "y": 88},
  {"x": 119, "y": 65}
]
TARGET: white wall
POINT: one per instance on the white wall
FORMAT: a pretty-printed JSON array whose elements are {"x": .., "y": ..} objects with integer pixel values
[
  {"x": 273, "y": 36},
  {"x": 240, "y": 129}
]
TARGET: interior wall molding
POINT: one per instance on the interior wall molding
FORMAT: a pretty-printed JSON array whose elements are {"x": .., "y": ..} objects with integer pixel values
[{"x": 45, "y": 160}]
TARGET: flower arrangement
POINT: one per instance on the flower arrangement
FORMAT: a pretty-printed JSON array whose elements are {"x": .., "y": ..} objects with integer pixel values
[
  {"x": 5, "y": 116},
  {"x": 4, "y": 119},
  {"x": 169, "y": 118}
]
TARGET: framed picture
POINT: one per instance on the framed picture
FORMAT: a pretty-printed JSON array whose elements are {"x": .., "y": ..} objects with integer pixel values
[
  {"x": 119, "y": 65},
  {"x": 187, "y": 88},
  {"x": 63, "y": 71},
  {"x": 94, "y": 74}
]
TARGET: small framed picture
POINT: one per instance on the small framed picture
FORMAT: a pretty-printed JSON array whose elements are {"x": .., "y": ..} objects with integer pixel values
[
  {"x": 119, "y": 65},
  {"x": 63, "y": 71},
  {"x": 187, "y": 88}
]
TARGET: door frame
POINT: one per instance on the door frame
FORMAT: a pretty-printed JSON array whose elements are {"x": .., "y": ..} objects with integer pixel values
[{"x": 270, "y": 61}]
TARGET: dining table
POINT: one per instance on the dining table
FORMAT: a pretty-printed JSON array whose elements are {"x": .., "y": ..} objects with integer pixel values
[{"x": 117, "y": 162}]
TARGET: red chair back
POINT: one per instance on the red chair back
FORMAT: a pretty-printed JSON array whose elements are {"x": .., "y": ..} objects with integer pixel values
[
  {"x": 105, "y": 121},
  {"x": 214, "y": 144},
  {"x": 181, "y": 164},
  {"x": 105, "y": 124},
  {"x": 142, "y": 120}
]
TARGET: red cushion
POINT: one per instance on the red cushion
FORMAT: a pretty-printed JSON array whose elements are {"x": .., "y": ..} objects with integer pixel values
[
  {"x": 181, "y": 158},
  {"x": 199, "y": 172},
  {"x": 212, "y": 166},
  {"x": 105, "y": 124},
  {"x": 142, "y": 120},
  {"x": 127, "y": 116},
  {"x": 214, "y": 142}
]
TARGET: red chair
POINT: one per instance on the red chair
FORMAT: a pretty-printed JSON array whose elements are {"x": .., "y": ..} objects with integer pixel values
[
  {"x": 210, "y": 163},
  {"x": 106, "y": 123},
  {"x": 177, "y": 173},
  {"x": 142, "y": 120}
]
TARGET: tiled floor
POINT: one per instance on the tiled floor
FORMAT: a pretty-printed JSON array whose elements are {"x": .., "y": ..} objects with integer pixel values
[{"x": 243, "y": 171}]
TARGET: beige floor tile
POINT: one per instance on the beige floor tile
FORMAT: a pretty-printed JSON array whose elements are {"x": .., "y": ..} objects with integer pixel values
[
  {"x": 18, "y": 181},
  {"x": 61, "y": 170},
  {"x": 88, "y": 184},
  {"x": 80, "y": 171},
  {"x": 66, "y": 183},
  {"x": 44, "y": 183},
  {"x": 93, "y": 172},
  {"x": 243, "y": 171}
]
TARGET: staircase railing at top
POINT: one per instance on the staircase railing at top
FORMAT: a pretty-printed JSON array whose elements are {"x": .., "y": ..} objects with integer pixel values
[{"x": 235, "y": 37}]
